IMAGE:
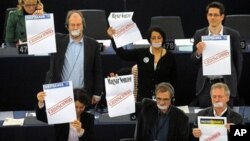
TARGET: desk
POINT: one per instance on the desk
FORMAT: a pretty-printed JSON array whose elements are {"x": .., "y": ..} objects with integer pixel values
[
  {"x": 106, "y": 129},
  {"x": 22, "y": 77}
]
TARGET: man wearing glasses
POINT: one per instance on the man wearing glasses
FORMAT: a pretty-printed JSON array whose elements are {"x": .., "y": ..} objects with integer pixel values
[
  {"x": 159, "y": 120},
  {"x": 215, "y": 15}
]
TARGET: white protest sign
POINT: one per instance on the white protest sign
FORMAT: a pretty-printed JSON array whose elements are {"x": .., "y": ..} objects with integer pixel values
[
  {"x": 40, "y": 34},
  {"x": 126, "y": 30},
  {"x": 216, "y": 57},
  {"x": 59, "y": 100},
  {"x": 212, "y": 128},
  {"x": 119, "y": 95}
]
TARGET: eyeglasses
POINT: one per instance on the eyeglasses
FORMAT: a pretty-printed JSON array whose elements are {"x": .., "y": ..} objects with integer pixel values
[
  {"x": 158, "y": 99},
  {"x": 213, "y": 15},
  {"x": 73, "y": 25},
  {"x": 29, "y": 5}
]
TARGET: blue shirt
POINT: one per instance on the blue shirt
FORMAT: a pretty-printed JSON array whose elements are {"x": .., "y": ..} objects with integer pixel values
[{"x": 73, "y": 68}]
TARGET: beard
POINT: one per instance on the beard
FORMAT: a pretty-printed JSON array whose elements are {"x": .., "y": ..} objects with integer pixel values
[
  {"x": 162, "y": 107},
  {"x": 75, "y": 33}
]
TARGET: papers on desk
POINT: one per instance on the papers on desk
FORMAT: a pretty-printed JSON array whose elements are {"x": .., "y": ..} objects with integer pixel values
[
  {"x": 119, "y": 95},
  {"x": 185, "y": 108},
  {"x": 40, "y": 34},
  {"x": 7, "y": 114},
  {"x": 126, "y": 30},
  {"x": 12, "y": 121},
  {"x": 184, "y": 44},
  {"x": 60, "y": 105},
  {"x": 212, "y": 128},
  {"x": 216, "y": 57}
]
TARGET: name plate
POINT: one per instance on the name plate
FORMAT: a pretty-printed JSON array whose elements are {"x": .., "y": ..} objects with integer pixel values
[
  {"x": 170, "y": 45},
  {"x": 23, "y": 49}
]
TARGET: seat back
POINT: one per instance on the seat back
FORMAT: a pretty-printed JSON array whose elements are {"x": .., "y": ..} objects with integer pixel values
[
  {"x": 171, "y": 25},
  {"x": 96, "y": 23},
  {"x": 240, "y": 23}
]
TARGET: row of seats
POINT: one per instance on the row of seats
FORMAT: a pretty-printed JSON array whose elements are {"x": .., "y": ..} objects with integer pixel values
[{"x": 172, "y": 25}]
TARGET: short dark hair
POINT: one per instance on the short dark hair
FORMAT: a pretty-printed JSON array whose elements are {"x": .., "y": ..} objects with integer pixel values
[
  {"x": 165, "y": 87},
  {"x": 81, "y": 95},
  {"x": 159, "y": 30},
  {"x": 216, "y": 4}
]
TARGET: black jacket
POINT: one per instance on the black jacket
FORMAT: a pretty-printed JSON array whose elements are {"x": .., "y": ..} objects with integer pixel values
[{"x": 178, "y": 122}]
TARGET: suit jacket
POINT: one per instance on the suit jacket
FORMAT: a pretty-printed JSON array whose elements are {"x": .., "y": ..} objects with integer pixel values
[
  {"x": 62, "y": 130},
  {"x": 236, "y": 60},
  {"x": 147, "y": 76},
  {"x": 93, "y": 77},
  {"x": 231, "y": 115},
  {"x": 15, "y": 28},
  {"x": 178, "y": 128}
]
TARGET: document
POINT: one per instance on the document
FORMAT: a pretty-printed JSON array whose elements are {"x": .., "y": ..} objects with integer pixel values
[
  {"x": 216, "y": 58},
  {"x": 126, "y": 30},
  {"x": 12, "y": 121},
  {"x": 213, "y": 128},
  {"x": 40, "y": 34},
  {"x": 119, "y": 95},
  {"x": 59, "y": 100}
]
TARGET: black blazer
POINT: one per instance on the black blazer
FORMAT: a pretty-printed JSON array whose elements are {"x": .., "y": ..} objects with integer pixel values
[
  {"x": 62, "y": 130},
  {"x": 93, "y": 77},
  {"x": 147, "y": 76},
  {"x": 147, "y": 110},
  {"x": 236, "y": 60}
]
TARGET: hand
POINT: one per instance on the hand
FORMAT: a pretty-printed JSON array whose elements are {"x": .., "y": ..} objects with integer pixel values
[
  {"x": 200, "y": 47},
  {"x": 228, "y": 126},
  {"x": 77, "y": 125},
  {"x": 39, "y": 9},
  {"x": 196, "y": 132},
  {"x": 112, "y": 74},
  {"x": 111, "y": 32},
  {"x": 95, "y": 99},
  {"x": 40, "y": 97}
]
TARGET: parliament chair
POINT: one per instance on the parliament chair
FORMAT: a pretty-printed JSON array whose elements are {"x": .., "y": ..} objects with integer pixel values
[
  {"x": 96, "y": 23},
  {"x": 7, "y": 11},
  {"x": 171, "y": 25},
  {"x": 240, "y": 23}
]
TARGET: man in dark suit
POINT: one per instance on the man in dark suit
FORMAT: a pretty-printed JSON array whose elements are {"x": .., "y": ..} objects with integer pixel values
[
  {"x": 220, "y": 96},
  {"x": 215, "y": 16},
  {"x": 77, "y": 59}
]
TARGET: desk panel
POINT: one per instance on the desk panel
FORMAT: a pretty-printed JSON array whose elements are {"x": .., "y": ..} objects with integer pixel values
[
  {"x": 106, "y": 128},
  {"x": 22, "y": 77}
]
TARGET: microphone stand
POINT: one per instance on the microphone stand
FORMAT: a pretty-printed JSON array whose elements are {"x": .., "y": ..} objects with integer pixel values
[
  {"x": 125, "y": 5},
  {"x": 96, "y": 113}
]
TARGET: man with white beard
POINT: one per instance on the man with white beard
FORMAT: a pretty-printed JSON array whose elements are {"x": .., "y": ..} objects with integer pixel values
[
  {"x": 77, "y": 59},
  {"x": 160, "y": 120},
  {"x": 220, "y": 94}
]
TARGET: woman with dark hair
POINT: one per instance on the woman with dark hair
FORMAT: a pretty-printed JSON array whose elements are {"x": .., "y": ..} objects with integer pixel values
[
  {"x": 81, "y": 129},
  {"x": 155, "y": 64}
]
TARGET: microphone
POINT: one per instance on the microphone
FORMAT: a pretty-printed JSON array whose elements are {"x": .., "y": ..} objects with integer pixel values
[{"x": 96, "y": 113}]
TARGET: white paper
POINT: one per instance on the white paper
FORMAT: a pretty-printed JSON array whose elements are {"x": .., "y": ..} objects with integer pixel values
[
  {"x": 6, "y": 114},
  {"x": 40, "y": 34},
  {"x": 212, "y": 128},
  {"x": 119, "y": 95},
  {"x": 216, "y": 55},
  {"x": 184, "y": 108},
  {"x": 12, "y": 121},
  {"x": 60, "y": 105},
  {"x": 126, "y": 30}
]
